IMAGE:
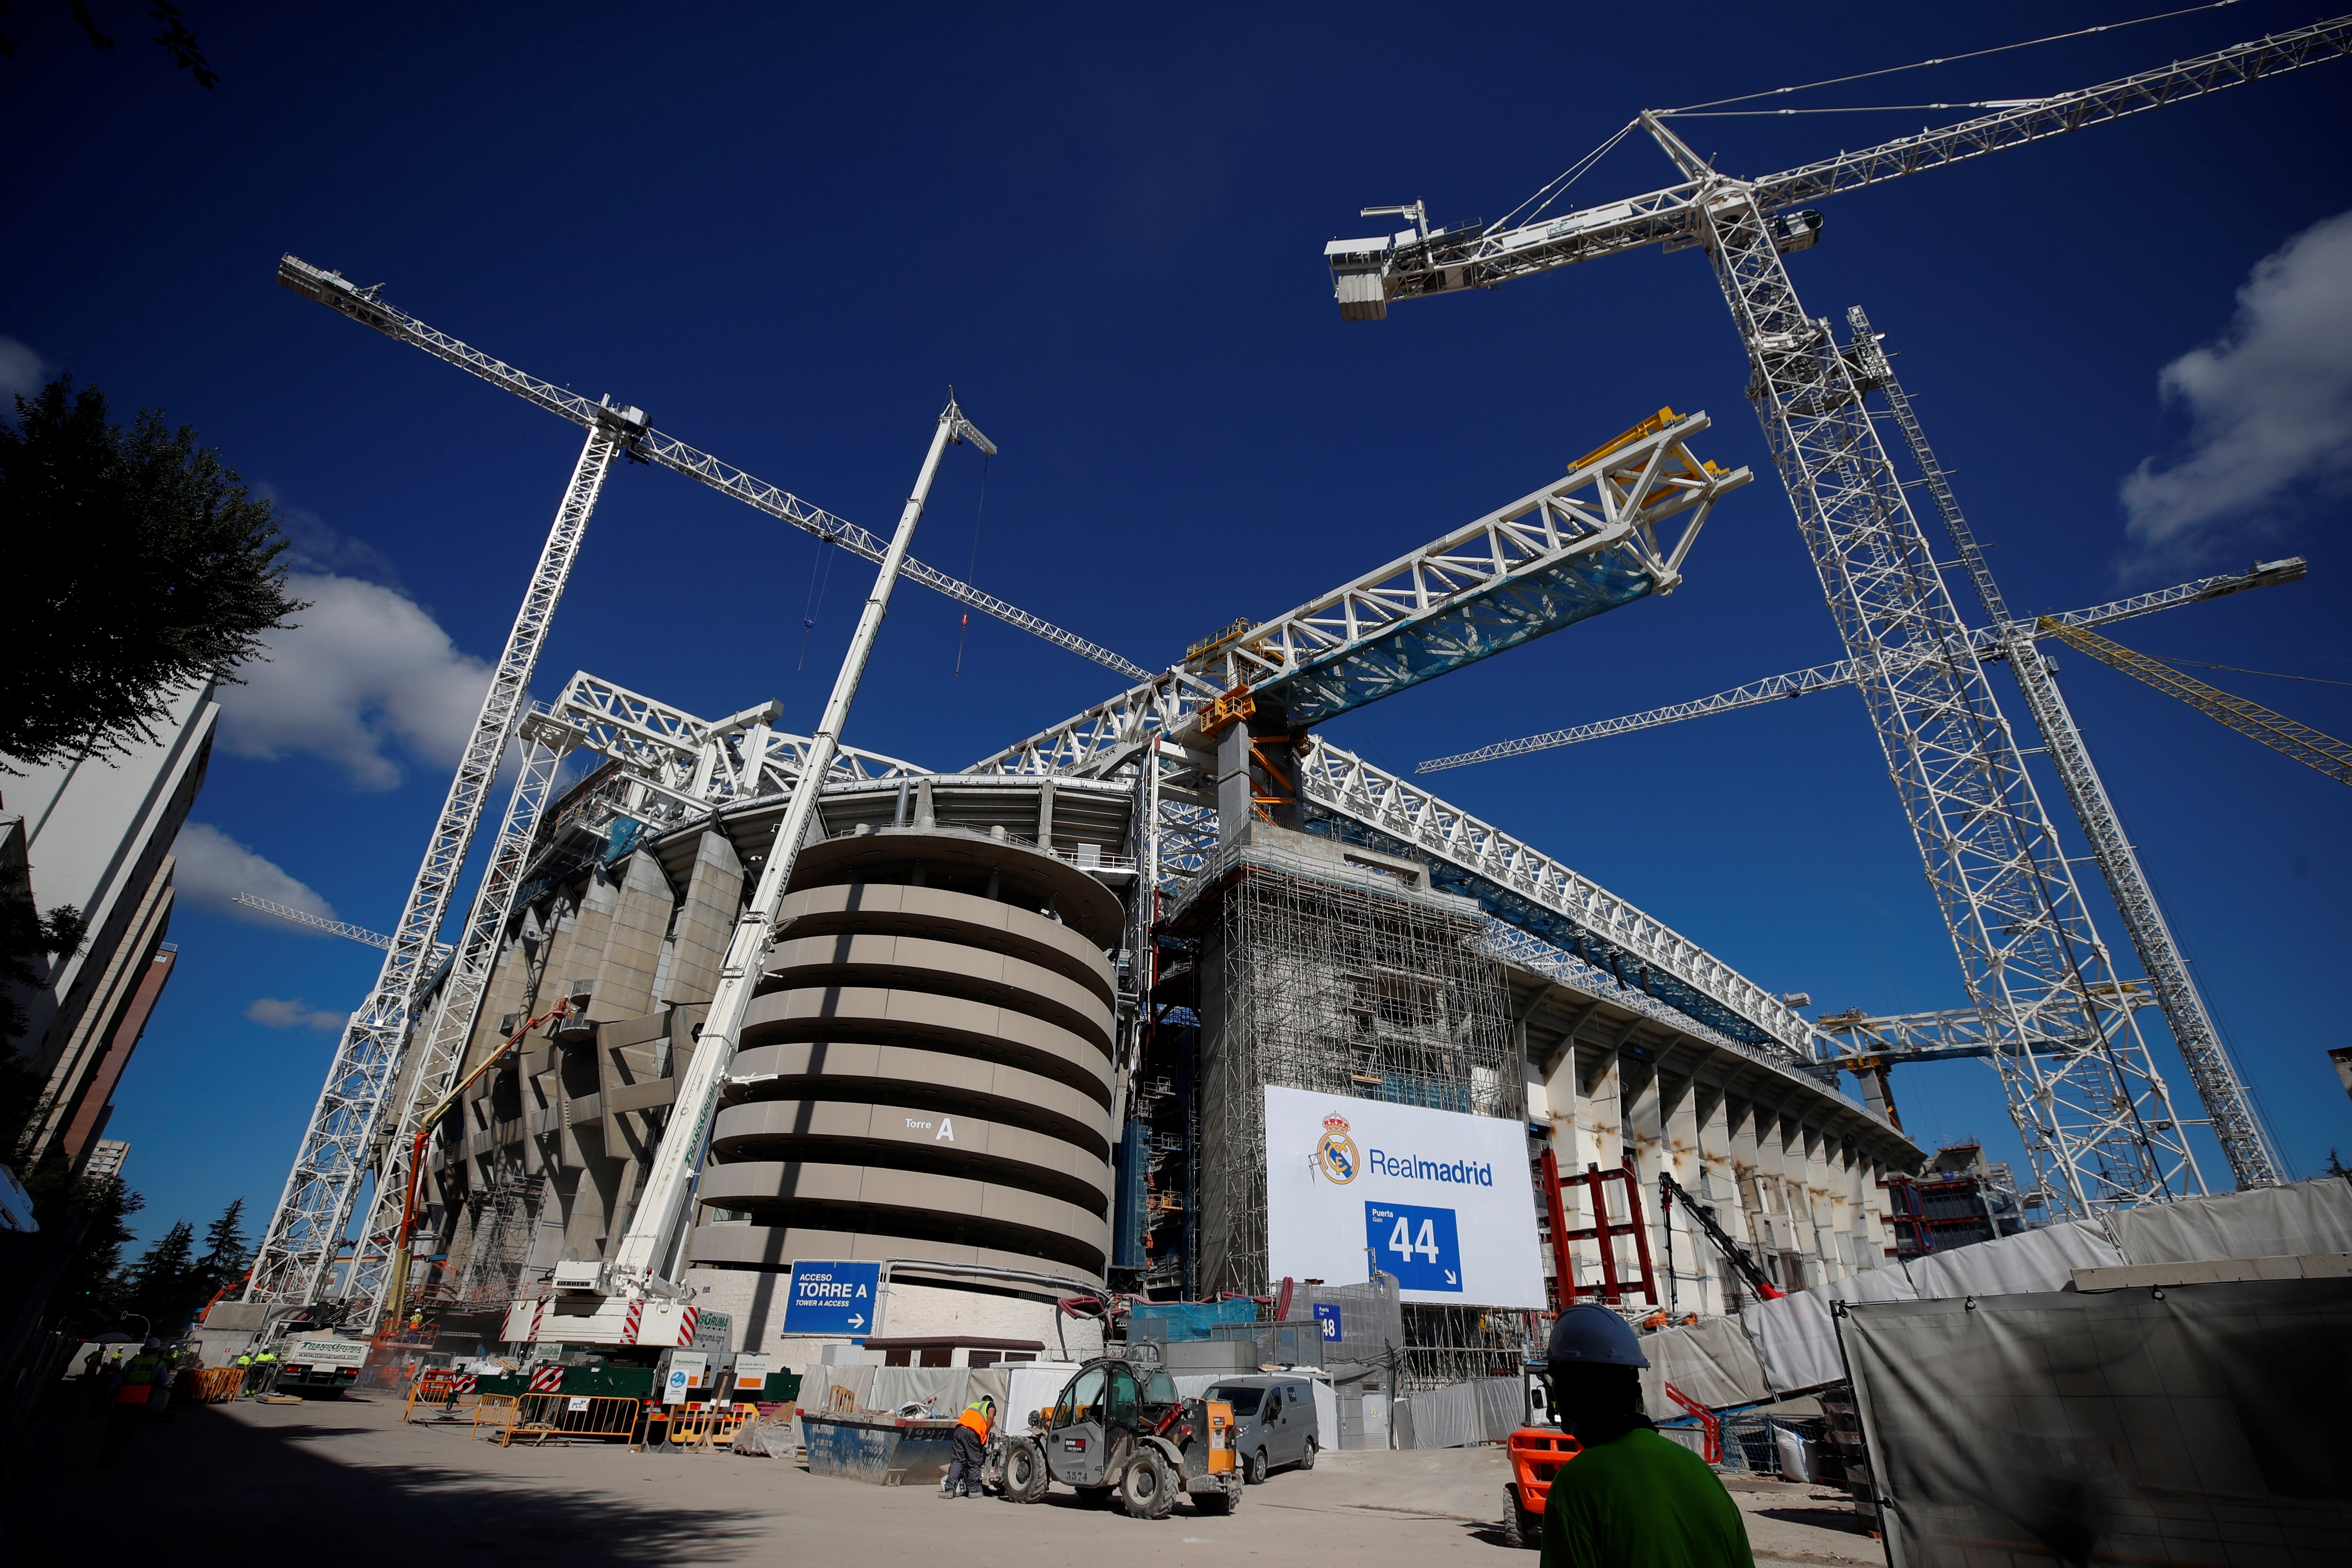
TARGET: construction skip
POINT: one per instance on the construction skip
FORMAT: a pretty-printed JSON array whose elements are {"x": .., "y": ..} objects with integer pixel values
[{"x": 1438, "y": 1199}]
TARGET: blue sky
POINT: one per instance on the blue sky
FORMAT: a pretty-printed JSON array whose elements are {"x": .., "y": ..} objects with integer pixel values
[{"x": 784, "y": 232}]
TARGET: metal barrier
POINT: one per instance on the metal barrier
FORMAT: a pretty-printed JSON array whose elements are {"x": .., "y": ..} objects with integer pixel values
[
  {"x": 495, "y": 1410},
  {"x": 706, "y": 1426},
  {"x": 600, "y": 1417},
  {"x": 442, "y": 1396},
  {"x": 208, "y": 1385}
]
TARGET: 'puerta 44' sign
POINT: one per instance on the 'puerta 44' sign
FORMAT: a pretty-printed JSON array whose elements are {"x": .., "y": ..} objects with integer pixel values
[{"x": 1438, "y": 1199}]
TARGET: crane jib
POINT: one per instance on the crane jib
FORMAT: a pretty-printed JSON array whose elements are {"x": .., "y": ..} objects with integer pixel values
[{"x": 1366, "y": 274}]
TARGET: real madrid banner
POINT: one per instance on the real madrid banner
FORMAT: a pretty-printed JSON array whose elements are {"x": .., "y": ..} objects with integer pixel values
[{"x": 1441, "y": 1200}]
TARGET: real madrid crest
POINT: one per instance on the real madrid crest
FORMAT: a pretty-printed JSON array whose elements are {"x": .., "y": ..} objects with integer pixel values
[{"x": 1334, "y": 1154}]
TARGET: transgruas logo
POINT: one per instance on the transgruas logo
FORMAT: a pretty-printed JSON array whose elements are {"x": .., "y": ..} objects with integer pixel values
[{"x": 1334, "y": 1154}]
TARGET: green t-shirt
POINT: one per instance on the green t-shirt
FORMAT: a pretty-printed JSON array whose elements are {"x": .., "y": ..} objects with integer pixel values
[{"x": 1642, "y": 1501}]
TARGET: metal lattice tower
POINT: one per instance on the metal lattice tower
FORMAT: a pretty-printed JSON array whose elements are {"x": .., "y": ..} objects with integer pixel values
[
  {"x": 305, "y": 1232},
  {"x": 2095, "y": 1117},
  {"x": 1346, "y": 990},
  {"x": 436, "y": 1056},
  {"x": 2252, "y": 1159}
]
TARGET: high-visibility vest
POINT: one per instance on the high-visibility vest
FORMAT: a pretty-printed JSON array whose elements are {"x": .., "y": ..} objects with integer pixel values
[
  {"x": 977, "y": 1419},
  {"x": 139, "y": 1375}
]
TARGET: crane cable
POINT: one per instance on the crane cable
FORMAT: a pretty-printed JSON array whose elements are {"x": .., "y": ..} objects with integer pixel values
[{"x": 1942, "y": 60}]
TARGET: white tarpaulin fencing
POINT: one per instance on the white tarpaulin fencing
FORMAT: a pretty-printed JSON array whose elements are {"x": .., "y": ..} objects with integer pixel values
[
  {"x": 2309, "y": 1217},
  {"x": 2042, "y": 1259},
  {"x": 1710, "y": 1360},
  {"x": 2198, "y": 1424},
  {"x": 1796, "y": 1339},
  {"x": 1483, "y": 1410}
]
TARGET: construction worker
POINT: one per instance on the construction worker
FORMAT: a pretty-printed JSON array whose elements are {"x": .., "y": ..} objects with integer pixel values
[
  {"x": 971, "y": 1449},
  {"x": 132, "y": 1393},
  {"x": 261, "y": 1378},
  {"x": 1631, "y": 1498}
]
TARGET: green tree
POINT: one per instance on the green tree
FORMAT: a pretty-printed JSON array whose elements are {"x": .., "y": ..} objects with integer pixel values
[
  {"x": 226, "y": 1252},
  {"x": 25, "y": 934},
  {"x": 155, "y": 570},
  {"x": 91, "y": 1297},
  {"x": 164, "y": 1278}
]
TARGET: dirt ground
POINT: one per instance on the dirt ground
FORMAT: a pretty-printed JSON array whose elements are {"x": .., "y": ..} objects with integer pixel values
[{"x": 345, "y": 1481}]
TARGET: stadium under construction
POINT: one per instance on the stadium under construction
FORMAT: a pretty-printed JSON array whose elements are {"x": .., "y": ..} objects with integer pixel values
[{"x": 737, "y": 1001}]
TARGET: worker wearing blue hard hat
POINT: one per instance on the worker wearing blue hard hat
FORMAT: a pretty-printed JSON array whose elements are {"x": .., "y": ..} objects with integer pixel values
[{"x": 1629, "y": 1498}]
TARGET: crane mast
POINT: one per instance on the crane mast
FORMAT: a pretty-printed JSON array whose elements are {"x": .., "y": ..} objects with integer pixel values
[
  {"x": 2244, "y": 1144},
  {"x": 435, "y": 1057},
  {"x": 2092, "y": 1110},
  {"x": 2096, "y": 1119},
  {"x": 307, "y": 1227},
  {"x": 644, "y": 1258}
]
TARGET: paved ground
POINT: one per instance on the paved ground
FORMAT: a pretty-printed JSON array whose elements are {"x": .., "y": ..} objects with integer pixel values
[{"x": 345, "y": 1481}]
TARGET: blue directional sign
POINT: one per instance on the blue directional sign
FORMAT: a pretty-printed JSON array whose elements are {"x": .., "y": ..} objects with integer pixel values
[
  {"x": 1328, "y": 1315},
  {"x": 1416, "y": 1245},
  {"x": 833, "y": 1298}
]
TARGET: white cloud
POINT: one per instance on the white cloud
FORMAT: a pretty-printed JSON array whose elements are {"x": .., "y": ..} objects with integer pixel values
[
  {"x": 2271, "y": 403},
  {"x": 293, "y": 1014},
  {"x": 213, "y": 868},
  {"x": 22, "y": 373},
  {"x": 366, "y": 674}
]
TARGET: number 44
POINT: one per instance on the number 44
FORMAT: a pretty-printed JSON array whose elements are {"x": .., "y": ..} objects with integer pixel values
[{"x": 1406, "y": 1245}]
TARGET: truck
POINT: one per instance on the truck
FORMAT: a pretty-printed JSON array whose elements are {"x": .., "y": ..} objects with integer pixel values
[
  {"x": 317, "y": 1366},
  {"x": 1119, "y": 1429}
]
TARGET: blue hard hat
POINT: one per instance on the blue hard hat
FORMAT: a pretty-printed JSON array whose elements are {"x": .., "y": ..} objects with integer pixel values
[{"x": 1594, "y": 1336}]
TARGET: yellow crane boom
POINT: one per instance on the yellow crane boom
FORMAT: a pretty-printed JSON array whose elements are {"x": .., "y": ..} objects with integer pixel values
[{"x": 2280, "y": 733}]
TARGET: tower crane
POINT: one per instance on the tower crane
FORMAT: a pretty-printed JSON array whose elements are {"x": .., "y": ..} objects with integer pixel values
[
  {"x": 2280, "y": 733},
  {"x": 333, "y": 1160},
  {"x": 2096, "y": 1119},
  {"x": 1985, "y": 641},
  {"x": 332, "y": 927}
]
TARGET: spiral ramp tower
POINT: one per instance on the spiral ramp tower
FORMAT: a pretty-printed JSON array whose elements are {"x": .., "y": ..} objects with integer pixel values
[{"x": 926, "y": 1070}]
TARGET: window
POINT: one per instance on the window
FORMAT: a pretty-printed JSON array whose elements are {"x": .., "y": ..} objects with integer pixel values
[
  {"x": 937, "y": 1355},
  {"x": 982, "y": 1358},
  {"x": 1079, "y": 1399},
  {"x": 1120, "y": 1402},
  {"x": 1245, "y": 1401},
  {"x": 1159, "y": 1388}
]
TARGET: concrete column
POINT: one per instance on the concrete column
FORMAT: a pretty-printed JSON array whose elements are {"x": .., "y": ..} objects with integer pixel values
[
  {"x": 1678, "y": 1155},
  {"x": 1045, "y": 815},
  {"x": 705, "y": 920},
  {"x": 1233, "y": 803},
  {"x": 1717, "y": 1189},
  {"x": 641, "y": 917}
]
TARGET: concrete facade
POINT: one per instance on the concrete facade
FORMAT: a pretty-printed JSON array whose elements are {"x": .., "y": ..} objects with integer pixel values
[
  {"x": 927, "y": 1072},
  {"x": 97, "y": 834}
]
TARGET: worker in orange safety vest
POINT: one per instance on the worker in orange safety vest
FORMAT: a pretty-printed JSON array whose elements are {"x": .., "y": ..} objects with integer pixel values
[
  {"x": 971, "y": 1449},
  {"x": 136, "y": 1387}
]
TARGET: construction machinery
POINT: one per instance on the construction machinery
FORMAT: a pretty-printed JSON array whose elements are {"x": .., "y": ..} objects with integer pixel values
[
  {"x": 346, "y": 1147},
  {"x": 1119, "y": 1429},
  {"x": 605, "y": 1303},
  {"x": 2094, "y": 1113}
]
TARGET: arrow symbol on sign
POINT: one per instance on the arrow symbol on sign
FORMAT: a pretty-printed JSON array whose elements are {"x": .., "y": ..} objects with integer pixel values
[
  {"x": 857, "y": 1321},
  {"x": 1449, "y": 1279}
]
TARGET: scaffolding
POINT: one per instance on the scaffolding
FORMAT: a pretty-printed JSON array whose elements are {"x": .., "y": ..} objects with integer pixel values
[
  {"x": 1320, "y": 980},
  {"x": 493, "y": 1242},
  {"x": 1447, "y": 1344}
]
